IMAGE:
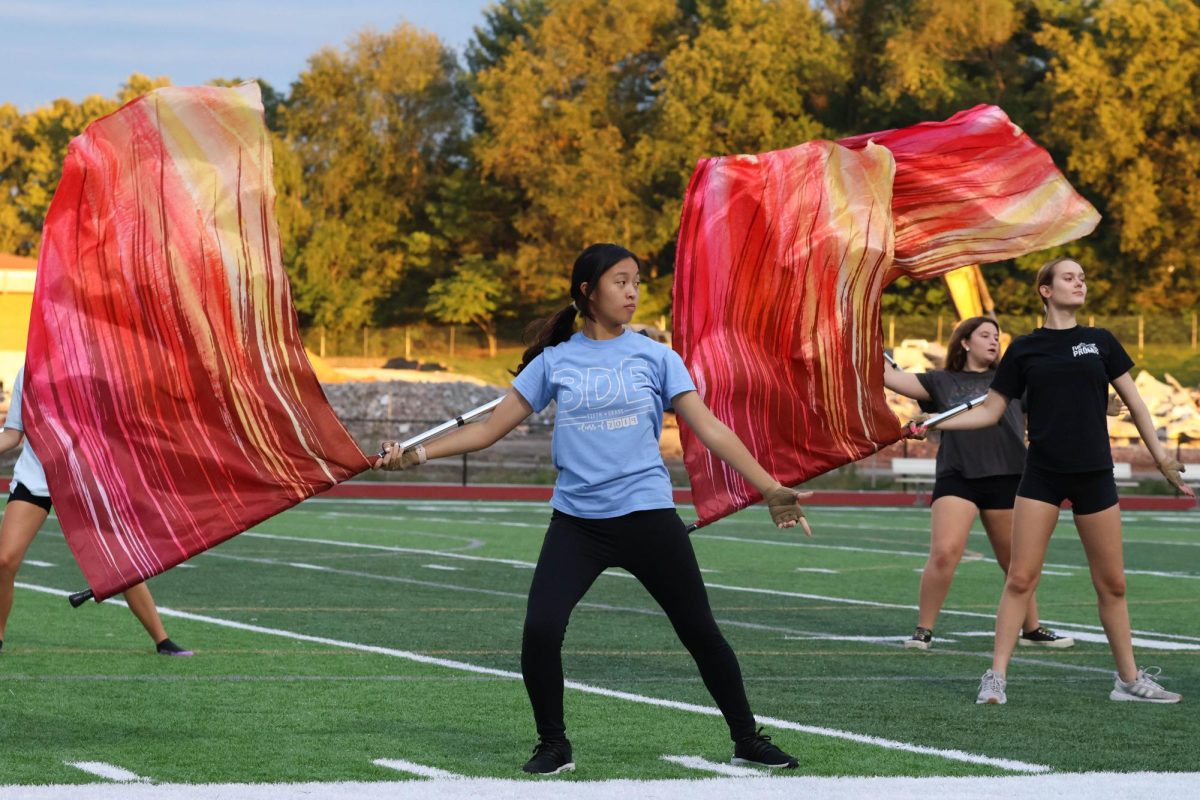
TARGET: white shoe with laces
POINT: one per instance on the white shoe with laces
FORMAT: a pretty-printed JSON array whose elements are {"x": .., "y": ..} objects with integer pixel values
[
  {"x": 991, "y": 689},
  {"x": 1143, "y": 689}
]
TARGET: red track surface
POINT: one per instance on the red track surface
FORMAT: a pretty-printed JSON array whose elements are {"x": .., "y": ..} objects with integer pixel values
[
  {"x": 450, "y": 491},
  {"x": 443, "y": 491}
]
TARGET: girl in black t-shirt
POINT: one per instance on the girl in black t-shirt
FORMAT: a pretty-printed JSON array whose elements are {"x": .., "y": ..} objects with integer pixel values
[
  {"x": 977, "y": 473},
  {"x": 1064, "y": 370}
]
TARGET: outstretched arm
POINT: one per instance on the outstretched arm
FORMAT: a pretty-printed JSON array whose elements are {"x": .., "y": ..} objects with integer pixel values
[
  {"x": 513, "y": 409},
  {"x": 984, "y": 415},
  {"x": 724, "y": 443},
  {"x": 1168, "y": 466}
]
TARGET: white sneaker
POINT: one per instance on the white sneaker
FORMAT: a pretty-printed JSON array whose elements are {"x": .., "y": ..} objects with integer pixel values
[
  {"x": 1143, "y": 689},
  {"x": 991, "y": 689}
]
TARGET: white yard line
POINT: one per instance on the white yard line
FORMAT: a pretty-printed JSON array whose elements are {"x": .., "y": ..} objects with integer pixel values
[
  {"x": 704, "y": 765},
  {"x": 413, "y": 768},
  {"x": 1128, "y": 786},
  {"x": 752, "y": 590},
  {"x": 1097, "y": 638},
  {"x": 442, "y": 567},
  {"x": 34, "y": 563},
  {"x": 923, "y": 554},
  {"x": 875, "y": 639},
  {"x": 107, "y": 771},
  {"x": 953, "y": 755}
]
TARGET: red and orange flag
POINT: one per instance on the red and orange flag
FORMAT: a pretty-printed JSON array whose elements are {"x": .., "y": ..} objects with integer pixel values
[
  {"x": 167, "y": 390},
  {"x": 782, "y": 260}
]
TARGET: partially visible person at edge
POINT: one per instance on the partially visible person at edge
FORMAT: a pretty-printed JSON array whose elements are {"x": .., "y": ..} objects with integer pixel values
[
  {"x": 1064, "y": 370},
  {"x": 977, "y": 473},
  {"x": 28, "y": 507},
  {"x": 612, "y": 501}
]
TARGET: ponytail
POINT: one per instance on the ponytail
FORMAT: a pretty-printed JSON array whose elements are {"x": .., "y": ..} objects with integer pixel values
[{"x": 547, "y": 333}]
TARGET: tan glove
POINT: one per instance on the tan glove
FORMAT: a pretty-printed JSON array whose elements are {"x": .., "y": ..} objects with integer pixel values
[
  {"x": 394, "y": 458},
  {"x": 1171, "y": 470},
  {"x": 784, "y": 505},
  {"x": 915, "y": 428}
]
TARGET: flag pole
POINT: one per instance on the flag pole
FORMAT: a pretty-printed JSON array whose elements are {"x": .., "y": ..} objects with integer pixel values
[{"x": 449, "y": 425}]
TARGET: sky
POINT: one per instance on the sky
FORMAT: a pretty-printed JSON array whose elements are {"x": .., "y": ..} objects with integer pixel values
[{"x": 72, "y": 48}]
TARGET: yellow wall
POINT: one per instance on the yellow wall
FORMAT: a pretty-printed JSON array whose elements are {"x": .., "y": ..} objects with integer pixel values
[{"x": 14, "y": 319}]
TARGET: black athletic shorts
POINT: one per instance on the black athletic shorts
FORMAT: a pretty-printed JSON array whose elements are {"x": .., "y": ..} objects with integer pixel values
[
  {"x": 1088, "y": 492},
  {"x": 21, "y": 492},
  {"x": 992, "y": 492}
]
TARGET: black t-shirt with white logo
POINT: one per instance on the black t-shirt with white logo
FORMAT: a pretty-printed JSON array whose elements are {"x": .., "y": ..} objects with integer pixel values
[
  {"x": 1064, "y": 375},
  {"x": 983, "y": 453}
]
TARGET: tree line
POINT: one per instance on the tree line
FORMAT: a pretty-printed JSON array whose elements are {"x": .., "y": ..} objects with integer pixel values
[{"x": 416, "y": 183}]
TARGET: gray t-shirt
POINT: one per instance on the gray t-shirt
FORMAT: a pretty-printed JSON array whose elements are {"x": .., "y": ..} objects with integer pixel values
[{"x": 983, "y": 453}]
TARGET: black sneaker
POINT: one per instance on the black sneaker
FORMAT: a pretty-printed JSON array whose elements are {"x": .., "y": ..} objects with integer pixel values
[
  {"x": 757, "y": 751},
  {"x": 550, "y": 758},
  {"x": 921, "y": 639},
  {"x": 1044, "y": 637},
  {"x": 168, "y": 648}
]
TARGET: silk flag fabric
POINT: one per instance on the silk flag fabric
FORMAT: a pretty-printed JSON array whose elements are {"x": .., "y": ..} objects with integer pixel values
[
  {"x": 782, "y": 259},
  {"x": 167, "y": 390}
]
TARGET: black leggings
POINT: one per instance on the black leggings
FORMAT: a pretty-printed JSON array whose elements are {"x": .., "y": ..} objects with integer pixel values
[{"x": 654, "y": 547}]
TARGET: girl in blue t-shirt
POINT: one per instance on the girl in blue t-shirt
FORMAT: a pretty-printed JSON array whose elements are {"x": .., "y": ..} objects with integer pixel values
[
  {"x": 28, "y": 507},
  {"x": 1064, "y": 370},
  {"x": 612, "y": 502}
]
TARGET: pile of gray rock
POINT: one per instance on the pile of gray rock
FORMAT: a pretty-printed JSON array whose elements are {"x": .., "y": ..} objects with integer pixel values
[{"x": 413, "y": 402}]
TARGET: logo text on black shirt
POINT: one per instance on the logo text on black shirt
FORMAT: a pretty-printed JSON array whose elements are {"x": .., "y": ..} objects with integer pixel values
[{"x": 1084, "y": 348}]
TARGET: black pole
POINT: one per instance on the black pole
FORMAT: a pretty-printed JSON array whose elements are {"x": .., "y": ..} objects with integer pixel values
[
  {"x": 79, "y": 598},
  {"x": 693, "y": 527}
]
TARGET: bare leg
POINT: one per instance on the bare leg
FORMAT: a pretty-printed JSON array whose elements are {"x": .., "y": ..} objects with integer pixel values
[
  {"x": 998, "y": 524},
  {"x": 142, "y": 605},
  {"x": 1033, "y": 522},
  {"x": 1101, "y": 537},
  {"x": 18, "y": 526},
  {"x": 950, "y": 526}
]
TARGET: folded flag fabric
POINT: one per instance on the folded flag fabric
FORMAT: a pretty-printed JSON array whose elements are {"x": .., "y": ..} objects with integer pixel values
[
  {"x": 782, "y": 260},
  {"x": 167, "y": 389}
]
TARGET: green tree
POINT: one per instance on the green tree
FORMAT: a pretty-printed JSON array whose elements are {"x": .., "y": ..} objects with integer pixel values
[
  {"x": 470, "y": 295},
  {"x": 32, "y": 149},
  {"x": 562, "y": 110},
  {"x": 755, "y": 76},
  {"x": 1122, "y": 95},
  {"x": 369, "y": 127}
]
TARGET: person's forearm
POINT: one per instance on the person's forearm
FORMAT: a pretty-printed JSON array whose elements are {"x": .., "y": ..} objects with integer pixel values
[
  {"x": 981, "y": 416},
  {"x": 466, "y": 439},
  {"x": 725, "y": 444},
  {"x": 10, "y": 438},
  {"x": 1145, "y": 427}
]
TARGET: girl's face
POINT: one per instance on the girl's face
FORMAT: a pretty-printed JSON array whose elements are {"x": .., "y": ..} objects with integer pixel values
[
  {"x": 983, "y": 345},
  {"x": 614, "y": 298},
  {"x": 1068, "y": 290}
]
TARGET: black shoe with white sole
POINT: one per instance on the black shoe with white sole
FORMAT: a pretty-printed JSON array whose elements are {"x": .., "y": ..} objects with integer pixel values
[
  {"x": 758, "y": 751},
  {"x": 921, "y": 639},
  {"x": 1042, "y": 636},
  {"x": 550, "y": 758}
]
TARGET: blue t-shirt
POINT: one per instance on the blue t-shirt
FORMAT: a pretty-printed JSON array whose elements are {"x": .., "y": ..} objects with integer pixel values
[
  {"x": 611, "y": 395},
  {"x": 28, "y": 469}
]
